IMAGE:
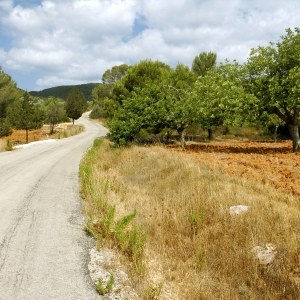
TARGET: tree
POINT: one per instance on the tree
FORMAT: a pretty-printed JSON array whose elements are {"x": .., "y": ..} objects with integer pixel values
[
  {"x": 24, "y": 115},
  {"x": 273, "y": 75},
  {"x": 76, "y": 104},
  {"x": 114, "y": 74},
  {"x": 8, "y": 94},
  {"x": 204, "y": 62},
  {"x": 159, "y": 100},
  {"x": 221, "y": 99},
  {"x": 99, "y": 96},
  {"x": 54, "y": 113}
]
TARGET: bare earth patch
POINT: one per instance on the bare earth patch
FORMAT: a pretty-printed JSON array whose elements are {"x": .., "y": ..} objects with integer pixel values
[{"x": 267, "y": 162}]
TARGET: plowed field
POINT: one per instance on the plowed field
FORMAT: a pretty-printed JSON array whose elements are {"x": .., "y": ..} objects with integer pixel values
[
  {"x": 267, "y": 162},
  {"x": 19, "y": 136}
]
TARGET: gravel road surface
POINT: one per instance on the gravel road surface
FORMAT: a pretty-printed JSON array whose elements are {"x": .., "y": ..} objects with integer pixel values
[{"x": 43, "y": 248}]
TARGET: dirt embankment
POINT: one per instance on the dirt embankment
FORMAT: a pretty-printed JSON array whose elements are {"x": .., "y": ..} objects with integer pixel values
[{"x": 268, "y": 162}]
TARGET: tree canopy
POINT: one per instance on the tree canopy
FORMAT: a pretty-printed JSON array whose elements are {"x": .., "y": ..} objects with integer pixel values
[
  {"x": 157, "y": 98},
  {"x": 204, "y": 62},
  {"x": 23, "y": 114},
  {"x": 273, "y": 76},
  {"x": 114, "y": 74},
  {"x": 76, "y": 104},
  {"x": 9, "y": 93}
]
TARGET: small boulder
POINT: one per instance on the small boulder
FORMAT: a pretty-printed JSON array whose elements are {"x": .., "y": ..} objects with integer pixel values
[
  {"x": 266, "y": 256},
  {"x": 239, "y": 209}
]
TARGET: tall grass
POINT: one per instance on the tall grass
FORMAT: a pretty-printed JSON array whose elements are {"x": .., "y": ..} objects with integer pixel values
[
  {"x": 2, "y": 145},
  {"x": 195, "y": 249},
  {"x": 70, "y": 131}
]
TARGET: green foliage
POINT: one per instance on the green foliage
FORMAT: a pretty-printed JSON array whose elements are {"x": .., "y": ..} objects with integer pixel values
[
  {"x": 200, "y": 258},
  {"x": 109, "y": 286},
  {"x": 114, "y": 74},
  {"x": 5, "y": 127},
  {"x": 63, "y": 91},
  {"x": 204, "y": 62},
  {"x": 122, "y": 131},
  {"x": 137, "y": 241},
  {"x": 100, "y": 94},
  {"x": 9, "y": 93},
  {"x": 120, "y": 226},
  {"x": 160, "y": 99},
  {"x": 144, "y": 73},
  {"x": 196, "y": 219},
  {"x": 75, "y": 104},
  {"x": 54, "y": 114},
  {"x": 273, "y": 76},
  {"x": 221, "y": 98},
  {"x": 23, "y": 114},
  {"x": 9, "y": 145}
]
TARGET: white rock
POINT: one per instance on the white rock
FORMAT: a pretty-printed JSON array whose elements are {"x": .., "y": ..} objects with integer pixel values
[
  {"x": 239, "y": 209},
  {"x": 265, "y": 256}
]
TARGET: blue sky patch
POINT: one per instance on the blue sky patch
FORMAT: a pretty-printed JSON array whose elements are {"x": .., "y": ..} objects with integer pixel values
[{"x": 140, "y": 24}]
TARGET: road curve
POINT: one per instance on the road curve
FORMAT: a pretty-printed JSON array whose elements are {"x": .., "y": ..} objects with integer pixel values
[{"x": 43, "y": 248}]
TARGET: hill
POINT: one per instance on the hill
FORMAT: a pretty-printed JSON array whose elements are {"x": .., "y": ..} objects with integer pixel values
[{"x": 62, "y": 91}]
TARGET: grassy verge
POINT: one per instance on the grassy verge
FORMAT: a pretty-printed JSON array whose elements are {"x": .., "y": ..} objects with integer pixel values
[
  {"x": 195, "y": 249},
  {"x": 70, "y": 131}
]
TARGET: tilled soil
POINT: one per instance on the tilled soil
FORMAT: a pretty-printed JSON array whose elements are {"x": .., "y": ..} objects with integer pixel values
[
  {"x": 268, "y": 162},
  {"x": 19, "y": 136}
]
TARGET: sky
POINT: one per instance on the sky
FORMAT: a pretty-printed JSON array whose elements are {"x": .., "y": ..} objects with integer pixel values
[{"x": 65, "y": 42}]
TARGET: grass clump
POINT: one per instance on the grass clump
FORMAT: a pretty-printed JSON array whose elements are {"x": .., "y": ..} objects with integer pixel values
[
  {"x": 9, "y": 145},
  {"x": 70, "y": 131},
  {"x": 193, "y": 245},
  {"x": 109, "y": 286}
]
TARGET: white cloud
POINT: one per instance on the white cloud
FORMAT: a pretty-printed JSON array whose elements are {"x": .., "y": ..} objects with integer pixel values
[{"x": 76, "y": 41}]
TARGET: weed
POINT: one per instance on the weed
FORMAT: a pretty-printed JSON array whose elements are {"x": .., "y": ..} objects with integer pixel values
[
  {"x": 196, "y": 219},
  {"x": 153, "y": 293},
  {"x": 9, "y": 145},
  {"x": 200, "y": 258},
  {"x": 110, "y": 283},
  {"x": 109, "y": 286},
  {"x": 137, "y": 241}
]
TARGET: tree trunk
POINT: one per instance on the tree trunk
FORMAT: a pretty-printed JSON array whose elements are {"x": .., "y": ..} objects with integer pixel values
[
  {"x": 210, "y": 135},
  {"x": 294, "y": 132},
  {"x": 181, "y": 137},
  {"x": 51, "y": 128},
  {"x": 26, "y": 136},
  {"x": 275, "y": 134},
  {"x": 73, "y": 122}
]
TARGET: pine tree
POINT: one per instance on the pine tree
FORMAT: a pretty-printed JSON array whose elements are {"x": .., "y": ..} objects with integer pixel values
[
  {"x": 25, "y": 116},
  {"x": 76, "y": 104}
]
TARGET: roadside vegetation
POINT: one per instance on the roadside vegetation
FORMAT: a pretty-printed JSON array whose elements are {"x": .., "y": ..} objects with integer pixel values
[
  {"x": 190, "y": 246},
  {"x": 153, "y": 98}
]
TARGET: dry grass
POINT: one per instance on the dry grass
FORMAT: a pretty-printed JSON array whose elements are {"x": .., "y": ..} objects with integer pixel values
[
  {"x": 2, "y": 145},
  {"x": 195, "y": 249},
  {"x": 69, "y": 131}
]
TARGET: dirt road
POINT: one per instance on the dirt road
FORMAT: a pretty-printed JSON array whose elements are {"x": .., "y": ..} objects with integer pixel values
[{"x": 43, "y": 249}]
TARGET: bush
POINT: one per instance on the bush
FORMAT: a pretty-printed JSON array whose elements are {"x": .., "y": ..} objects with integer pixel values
[{"x": 5, "y": 128}]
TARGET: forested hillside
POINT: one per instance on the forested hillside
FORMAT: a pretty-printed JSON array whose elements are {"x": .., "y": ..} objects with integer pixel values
[{"x": 62, "y": 91}]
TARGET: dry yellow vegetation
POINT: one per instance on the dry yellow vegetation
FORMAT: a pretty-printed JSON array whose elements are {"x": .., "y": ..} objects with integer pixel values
[{"x": 195, "y": 249}]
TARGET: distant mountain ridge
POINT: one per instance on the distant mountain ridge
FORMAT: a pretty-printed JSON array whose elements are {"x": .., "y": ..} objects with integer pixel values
[{"x": 63, "y": 90}]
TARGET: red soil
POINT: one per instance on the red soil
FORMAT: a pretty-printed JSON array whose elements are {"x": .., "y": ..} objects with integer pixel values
[
  {"x": 268, "y": 162},
  {"x": 19, "y": 136}
]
